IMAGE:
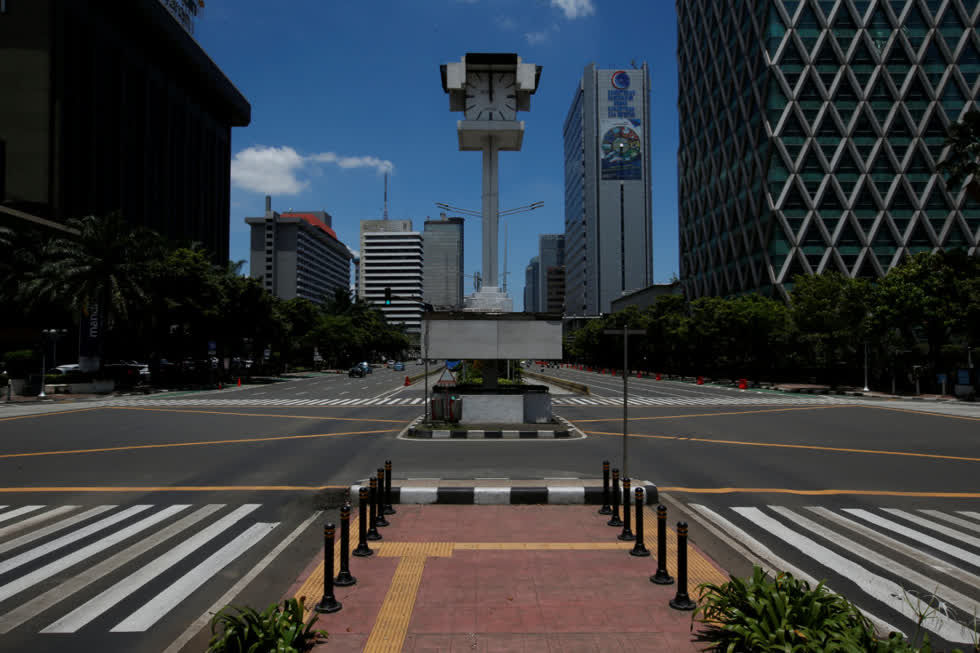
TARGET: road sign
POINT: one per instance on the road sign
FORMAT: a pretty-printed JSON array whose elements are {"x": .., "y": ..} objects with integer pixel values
[{"x": 446, "y": 378}]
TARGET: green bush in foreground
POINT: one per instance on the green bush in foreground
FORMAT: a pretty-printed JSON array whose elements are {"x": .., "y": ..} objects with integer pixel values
[
  {"x": 786, "y": 614},
  {"x": 277, "y": 628}
]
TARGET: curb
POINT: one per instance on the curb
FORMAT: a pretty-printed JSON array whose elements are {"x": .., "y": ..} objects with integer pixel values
[
  {"x": 476, "y": 434},
  {"x": 581, "y": 388},
  {"x": 513, "y": 495}
]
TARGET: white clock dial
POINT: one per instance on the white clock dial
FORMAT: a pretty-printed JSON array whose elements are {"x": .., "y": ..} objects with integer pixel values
[{"x": 490, "y": 96}]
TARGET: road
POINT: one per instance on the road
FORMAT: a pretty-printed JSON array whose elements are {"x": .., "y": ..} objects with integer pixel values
[{"x": 879, "y": 498}]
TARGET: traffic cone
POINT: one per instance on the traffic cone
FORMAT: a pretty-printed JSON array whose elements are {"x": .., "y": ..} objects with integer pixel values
[
  {"x": 700, "y": 380},
  {"x": 239, "y": 382},
  {"x": 742, "y": 384},
  {"x": 408, "y": 381},
  {"x": 220, "y": 386},
  {"x": 658, "y": 376}
]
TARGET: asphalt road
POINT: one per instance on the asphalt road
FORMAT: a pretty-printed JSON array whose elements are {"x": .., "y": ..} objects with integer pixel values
[{"x": 743, "y": 476}]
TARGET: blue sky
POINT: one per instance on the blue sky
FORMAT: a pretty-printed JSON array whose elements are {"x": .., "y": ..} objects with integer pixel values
[{"x": 342, "y": 90}]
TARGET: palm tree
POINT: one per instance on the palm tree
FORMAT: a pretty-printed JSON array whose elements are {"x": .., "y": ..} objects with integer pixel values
[
  {"x": 963, "y": 159},
  {"x": 104, "y": 264}
]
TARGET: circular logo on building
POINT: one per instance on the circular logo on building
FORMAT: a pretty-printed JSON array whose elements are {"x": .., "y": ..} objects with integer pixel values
[
  {"x": 621, "y": 79},
  {"x": 620, "y": 145}
]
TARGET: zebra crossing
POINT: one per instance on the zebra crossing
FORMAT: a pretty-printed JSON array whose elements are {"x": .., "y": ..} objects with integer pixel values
[
  {"x": 63, "y": 567},
  {"x": 558, "y": 400},
  {"x": 895, "y": 564}
]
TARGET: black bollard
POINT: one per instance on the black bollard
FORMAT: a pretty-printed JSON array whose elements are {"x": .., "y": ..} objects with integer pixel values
[
  {"x": 328, "y": 603},
  {"x": 615, "y": 520},
  {"x": 389, "y": 509},
  {"x": 639, "y": 549},
  {"x": 373, "y": 533},
  {"x": 362, "y": 550},
  {"x": 605, "y": 509},
  {"x": 380, "y": 511},
  {"x": 662, "y": 577},
  {"x": 682, "y": 601},
  {"x": 627, "y": 534},
  {"x": 344, "y": 578}
]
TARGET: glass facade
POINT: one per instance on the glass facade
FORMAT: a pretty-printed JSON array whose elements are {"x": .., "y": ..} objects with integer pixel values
[
  {"x": 810, "y": 132},
  {"x": 576, "y": 243}
]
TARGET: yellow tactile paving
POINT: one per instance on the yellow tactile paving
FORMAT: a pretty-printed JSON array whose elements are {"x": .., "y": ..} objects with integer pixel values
[
  {"x": 391, "y": 625},
  {"x": 699, "y": 569},
  {"x": 312, "y": 587},
  {"x": 415, "y": 549},
  {"x": 541, "y": 546}
]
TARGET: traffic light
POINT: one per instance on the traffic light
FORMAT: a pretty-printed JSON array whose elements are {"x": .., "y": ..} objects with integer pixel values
[{"x": 387, "y": 296}]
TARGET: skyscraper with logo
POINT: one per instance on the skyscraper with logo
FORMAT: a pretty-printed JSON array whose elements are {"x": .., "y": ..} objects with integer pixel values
[
  {"x": 608, "y": 219},
  {"x": 809, "y": 136}
]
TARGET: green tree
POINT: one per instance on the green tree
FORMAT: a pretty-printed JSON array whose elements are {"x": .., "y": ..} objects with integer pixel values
[
  {"x": 831, "y": 312},
  {"x": 963, "y": 159}
]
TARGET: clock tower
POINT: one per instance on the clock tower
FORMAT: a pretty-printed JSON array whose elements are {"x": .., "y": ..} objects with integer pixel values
[{"x": 489, "y": 89}]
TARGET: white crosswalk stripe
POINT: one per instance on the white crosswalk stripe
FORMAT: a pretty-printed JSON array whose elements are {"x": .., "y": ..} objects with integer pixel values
[
  {"x": 706, "y": 400},
  {"x": 816, "y": 542},
  {"x": 71, "y": 565}
]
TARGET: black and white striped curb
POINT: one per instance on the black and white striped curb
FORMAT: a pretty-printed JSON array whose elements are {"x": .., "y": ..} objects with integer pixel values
[
  {"x": 509, "y": 495},
  {"x": 476, "y": 434}
]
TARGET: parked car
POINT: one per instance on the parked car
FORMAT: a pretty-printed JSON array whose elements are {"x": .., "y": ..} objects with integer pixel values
[
  {"x": 356, "y": 371},
  {"x": 65, "y": 369},
  {"x": 399, "y": 366},
  {"x": 366, "y": 367}
]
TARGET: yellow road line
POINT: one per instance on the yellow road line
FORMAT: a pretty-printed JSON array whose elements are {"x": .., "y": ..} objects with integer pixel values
[
  {"x": 880, "y": 452},
  {"x": 190, "y": 444},
  {"x": 738, "y": 412},
  {"x": 166, "y": 488},
  {"x": 220, "y": 412},
  {"x": 58, "y": 412},
  {"x": 923, "y": 412},
  {"x": 391, "y": 626},
  {"x": 828, "y": 492}
]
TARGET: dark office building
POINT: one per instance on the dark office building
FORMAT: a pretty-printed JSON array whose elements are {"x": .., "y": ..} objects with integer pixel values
[{"x": 111, "y": 105}]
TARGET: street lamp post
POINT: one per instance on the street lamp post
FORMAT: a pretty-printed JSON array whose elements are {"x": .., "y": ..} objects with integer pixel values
[
  {"x": 865, "y": 366},
  {"x": 625, "y": 332}
]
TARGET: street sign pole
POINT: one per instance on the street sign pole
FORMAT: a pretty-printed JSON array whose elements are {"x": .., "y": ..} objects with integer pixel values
[
  {"x": 625, "y": 332},
  {"x": 425, "y": 359}
]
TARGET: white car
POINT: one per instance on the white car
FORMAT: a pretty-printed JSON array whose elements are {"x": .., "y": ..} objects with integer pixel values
[{"x": 65, "y": 369}]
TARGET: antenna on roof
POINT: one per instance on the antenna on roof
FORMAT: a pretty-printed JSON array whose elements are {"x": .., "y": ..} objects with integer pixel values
[{"x": 386, "y": 196}]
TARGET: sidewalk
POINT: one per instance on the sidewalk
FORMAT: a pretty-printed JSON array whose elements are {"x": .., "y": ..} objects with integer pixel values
[{"x": 506, "y": 578}]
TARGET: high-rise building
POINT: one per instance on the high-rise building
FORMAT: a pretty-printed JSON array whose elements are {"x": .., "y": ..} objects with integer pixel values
[
  {"x": 608, "y": 220},
  {"x": 298, "y": 254},
  {"x": 442, "y": 247},
  {"x": 532, "y": 297},
  {"x": 551, "y": 285},
  {"x": 810, "y": 133},
  {"x": 391, "y": 257},
  {"x": 113, "y": 106}
]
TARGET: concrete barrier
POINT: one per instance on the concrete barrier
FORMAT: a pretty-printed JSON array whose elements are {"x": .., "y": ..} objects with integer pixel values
[{"x": 561, "y": 383}]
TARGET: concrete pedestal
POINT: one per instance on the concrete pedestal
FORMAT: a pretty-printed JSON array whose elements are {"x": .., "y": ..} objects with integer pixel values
[{"x": 489, "y": 299}]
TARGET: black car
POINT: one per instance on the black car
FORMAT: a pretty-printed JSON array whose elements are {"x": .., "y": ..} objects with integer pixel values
[{"x": 357, "y": 371}]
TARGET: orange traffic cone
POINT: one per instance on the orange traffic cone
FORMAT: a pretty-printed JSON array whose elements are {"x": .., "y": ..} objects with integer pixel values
[
  {"x": 239, "y": 382},
  {"x": 700, "y": 380},
  {"x": 658, "y": 376},
  {"x": 407, "y": 381},
  {"x": 742, "y": 384}
]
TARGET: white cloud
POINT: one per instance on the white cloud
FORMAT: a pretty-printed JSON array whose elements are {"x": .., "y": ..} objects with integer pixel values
[
  {"x": 269, "y": 170},
  {"x": 574, "y": 8},
  {"x": 533, "y": 38},
  {"x": 278, "y": 170}
]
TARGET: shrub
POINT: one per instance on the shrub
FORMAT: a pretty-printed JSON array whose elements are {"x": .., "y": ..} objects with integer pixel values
[
  {"x": 21, "y": 362},
  {"x": 277, "y": 628},
  {"x": 783, "y": 614}
]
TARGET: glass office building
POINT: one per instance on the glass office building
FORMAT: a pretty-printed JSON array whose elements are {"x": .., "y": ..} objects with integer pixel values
[{"x": 809, "y": 136}]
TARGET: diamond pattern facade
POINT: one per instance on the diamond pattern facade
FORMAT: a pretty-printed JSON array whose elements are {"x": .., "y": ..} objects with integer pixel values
[{"x": 809, "y": 136}]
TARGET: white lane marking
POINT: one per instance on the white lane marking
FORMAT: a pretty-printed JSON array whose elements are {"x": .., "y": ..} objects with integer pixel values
[
  {"x": 882, "y": 589},
  {"x": 936, "y": 526},
  {"x": 776, "y": 563},
  {"x": 4, "y": 506},
  {"x": 30, "y": 521},
  {"x": 64, "y": 562},
  {"x": 968, "y": 513},
  {"x": 344, "y": 392},
  {"x": 17, "y": 512},
  {"x": 416, "y": 401},
  {"x": 926, "y": 558},
  {"x": 167, "y": 600},
  {"x": 74, "y": 536},
  {"x": 918, "y": 536},
  {"x": 301, "y": 393},
  {"x": 234, "y": 591},
  {"x": 94, "y": 607},
  {"x": 924, "y": 582},
  {"x": 37, "y": 605}
]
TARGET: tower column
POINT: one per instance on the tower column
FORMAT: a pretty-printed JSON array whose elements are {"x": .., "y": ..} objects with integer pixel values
[{"x": 490, "y": 209}]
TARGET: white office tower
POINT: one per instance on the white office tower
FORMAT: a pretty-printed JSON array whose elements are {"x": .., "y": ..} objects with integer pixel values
[{"x": 391, "y": 257}]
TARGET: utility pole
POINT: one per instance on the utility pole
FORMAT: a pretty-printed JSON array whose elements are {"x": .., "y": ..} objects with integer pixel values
[
  {"x": 865, "y": 366},
  {"x": 625, "y": 332}
]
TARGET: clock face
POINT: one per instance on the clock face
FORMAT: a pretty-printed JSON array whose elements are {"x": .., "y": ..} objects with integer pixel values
[{"x": 490, "y": 96}]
